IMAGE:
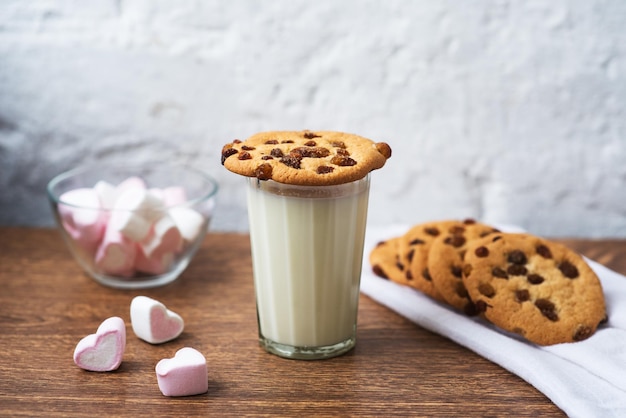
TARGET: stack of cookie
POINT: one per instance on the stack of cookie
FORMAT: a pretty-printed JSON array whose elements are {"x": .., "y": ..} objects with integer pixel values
[{"x": 521, "y": 283}]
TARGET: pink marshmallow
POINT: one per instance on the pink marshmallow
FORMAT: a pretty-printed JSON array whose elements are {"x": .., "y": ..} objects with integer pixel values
[
  {"x": 82, "y": 217},
  {"x": 164, "y": 238},
  {"x": 153, "y": 265},
  {"x": 153, "y": 322},
  {"x": 183, "y": 375},
  {"x": 116, "y": 254},
  {"x": 102, "y": 351}
]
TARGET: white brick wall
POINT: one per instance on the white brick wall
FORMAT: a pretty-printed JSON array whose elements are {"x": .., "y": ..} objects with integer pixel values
[{"x": 505, "y": 111}]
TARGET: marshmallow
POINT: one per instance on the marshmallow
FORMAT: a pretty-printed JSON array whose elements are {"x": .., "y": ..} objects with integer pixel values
[
  {"x": 183, "y": 375},
  {"x": 188, "y": 221},
  {"x": 153, "y": 322},
  {"x": 136, "y": 209},
  {"x": 174, "y": 195},
  {"x": 153, "y": 265},
  {"x": 164, "y": 238},
  {"x": 131, "y": 183},
  {"x": 102, "y": 351},
  {"x": 107, "y": 194},
  {"x": 116, "y": 254},
  {"x": 82, "y": 217}
]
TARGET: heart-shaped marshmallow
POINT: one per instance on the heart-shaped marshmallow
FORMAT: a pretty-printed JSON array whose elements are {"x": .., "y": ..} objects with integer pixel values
[
  {"x": 102, "y": 351},
  {"x": 183, "y": 375},
  {"x": 153, "y": 322}
]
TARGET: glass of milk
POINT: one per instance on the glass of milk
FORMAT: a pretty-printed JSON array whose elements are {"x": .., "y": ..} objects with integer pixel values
[{"x": 307, "y": 250}]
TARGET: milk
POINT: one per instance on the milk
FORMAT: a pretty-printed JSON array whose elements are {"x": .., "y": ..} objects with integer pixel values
[{"x": 307, "y": 250}]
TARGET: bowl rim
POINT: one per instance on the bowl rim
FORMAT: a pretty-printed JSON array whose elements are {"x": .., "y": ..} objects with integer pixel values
[{"x": 56, "y": 198}]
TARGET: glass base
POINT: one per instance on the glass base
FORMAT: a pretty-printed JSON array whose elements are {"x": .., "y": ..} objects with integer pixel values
[{"x": 307, "y": 353}]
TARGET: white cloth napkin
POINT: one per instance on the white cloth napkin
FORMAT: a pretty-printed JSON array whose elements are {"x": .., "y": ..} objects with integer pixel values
[{"x": 584, "y": 379}]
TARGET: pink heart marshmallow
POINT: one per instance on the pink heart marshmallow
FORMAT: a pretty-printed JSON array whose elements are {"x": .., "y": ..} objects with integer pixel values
[
  {"x": 102, "y": 351},
  {"x": 82, "y": 217},
  {"x": 153, "y": 322},
  {"x": 183, "y": 375}
]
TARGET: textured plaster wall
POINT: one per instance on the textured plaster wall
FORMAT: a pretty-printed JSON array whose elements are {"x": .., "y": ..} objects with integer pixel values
[{"x": 506, "y": 111}]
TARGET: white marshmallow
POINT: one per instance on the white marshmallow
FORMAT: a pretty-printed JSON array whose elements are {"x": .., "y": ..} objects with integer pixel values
[
  {"x": 82, "y": 217},
  {"x": 102, "y": 351},
  {"x": 153, "y": 322},
  {"x": 107, "y": 194},
  {"x": 174, "y": 195},
  {"x": 189, "y": 222},
  {"x": 165, "y": 237},
  {"x": 116, "y": 254},
  {"x": 184, "y": 375},
  {"x": 135, "y": 210}
]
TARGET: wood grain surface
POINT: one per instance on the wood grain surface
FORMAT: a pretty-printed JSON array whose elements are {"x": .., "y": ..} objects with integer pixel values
[{"x": 47, "y": 304}]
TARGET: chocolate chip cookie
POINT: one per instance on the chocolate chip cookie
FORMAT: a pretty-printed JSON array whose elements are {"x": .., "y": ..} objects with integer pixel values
[
  {"x": 534, "y": 287},
  {"x": 385, "y": 261},
  {"x": 305, "y": 157},
  {"x": 445, "y": 262}
]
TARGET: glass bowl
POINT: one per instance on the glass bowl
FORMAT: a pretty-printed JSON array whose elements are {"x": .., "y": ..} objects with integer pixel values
[{"x": 133, "y": 226}]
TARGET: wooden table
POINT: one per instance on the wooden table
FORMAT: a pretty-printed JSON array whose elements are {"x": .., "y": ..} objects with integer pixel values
[{"x": 47, "y": 305}]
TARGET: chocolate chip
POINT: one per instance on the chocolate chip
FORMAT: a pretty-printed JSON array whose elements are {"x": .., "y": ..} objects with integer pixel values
[
  {"x": 311, "y": 135},
  {"x": 432, "y": 231},
  {"x": 277, "y": 152},
  {"x": 292, "y": 161},
  {"x": 236, "y": 141},
  {"x": 310, "y": 143},
  {"x": 469, "y": 221},
  {"x": 535, "y": 278},
  {"x": 481, "y": 252},
  {"x": 311, "y": 152},
  {"x": 244, "y": 155},
  {"x": 426, "y": 275},
  {"x": 247, "y": 148},
  {"x": 408, "y": 275},
  {"x": 341, "y": 151},
  {"x": 342, "y": 161},
  {"x": 568, "y": 269},
  {"x": 481, "y": 306},
  {"x": 227, "y": 152},
  {"x": 517, "y": 257},
  {"x": 338, "y": 144},
  {"x": 287, "y": 141},
  {"x": 410, "y": 254},
  {"x": 267, "y": 157},
  {"x": 582, "y": 333},
  {"x": 456, "y": 271},
  {"x": 547, "y": 309},
  {"x": 470, "y": 308},
  {"x": 456, "y": 229},
  {"x": 516, "y": 270},
  {"x": 544, "y": 251},
  {"x": 498, "y": 272},
  {"x": 379, "y": 271},
  {"x": 400, "y": 266},
  {"x": 325, "y": 169},
  {"x": 455, "y": 240},
  {"x": 486, "y": 289},
  {"x": 271, "y": 142},
  {"x": 417, "y": 241},
  {"x": 522, "y": 295},
  {"x": 460, "y": 290},
  {"x": 263, "y": 172},
  {"x": 496, "y": 238}
]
